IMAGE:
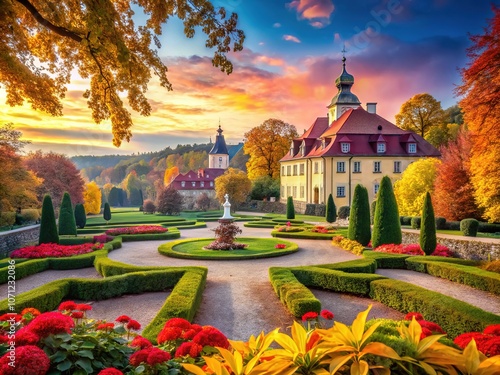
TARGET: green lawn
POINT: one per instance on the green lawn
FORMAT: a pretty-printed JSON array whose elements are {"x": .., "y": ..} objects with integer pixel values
[
  {"x": 124, "y": 216},
  {"x": 311, "y": 218}
]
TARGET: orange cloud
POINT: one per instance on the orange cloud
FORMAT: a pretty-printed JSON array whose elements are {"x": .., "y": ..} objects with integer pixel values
[
  {"x": 317, "y": 11},
  {"x": 291, "y": 38}
]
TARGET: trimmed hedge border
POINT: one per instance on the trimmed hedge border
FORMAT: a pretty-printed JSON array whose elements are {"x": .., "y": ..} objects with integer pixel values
[
  {"x": 304, "y": 235},
  {"x": 173, "y": 233}
]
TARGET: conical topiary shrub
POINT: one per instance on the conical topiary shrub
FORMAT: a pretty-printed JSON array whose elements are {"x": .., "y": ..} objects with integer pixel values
[
  {"x": 359, "y": 219},
  {"x": 331, "y": 210},
  {"x": 107, "y": 212},
  {"x": 80, "y": 216},
  {"x": 48, "y": 227},
  {"x": 67, "y": 224},
  {"x": 386, "y": 225},
  {"x": 290, "y": 210},
  {"x": 428, "y": 240}
]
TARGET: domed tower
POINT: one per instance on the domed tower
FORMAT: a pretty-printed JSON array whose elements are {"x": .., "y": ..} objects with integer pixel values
[
  {"x": 344, "y": 99},
  {"x": 218, "y": 157}
]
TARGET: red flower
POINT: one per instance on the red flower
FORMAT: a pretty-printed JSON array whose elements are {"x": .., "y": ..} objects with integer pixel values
[
  {"x": 140, "y": 342},
  {"x": 140, "y": 229},
  {"x": 190, "y": 348},
  {"x": 51, "y": 323},
  {"x": 26, "y": 337},
  {"x": 157, "y": 356},
  {"x": 178, "y": 322},
  {"x": 425, "y": 332},
  {"x": 212, "y": 337},
  {"x": 110, "y": 371},
  {"x": 140, "y": 356},
  {"x": 123, "y": 319},
  {"x": 133, "y": 325},
  {"x": 280, "y": 246},
  {"x": 77, "y": 315},
  {"x": 433, "y": 327},
  {"x": 493, "y": 329},
  {"x": 83, "y": 307},
  {"x": 4, "y": 339},
  {"x": 417, "y": 316},
  {"x": 105, "y": 326},
  {"x": 9, "y": 316},
  {"x": 326, "y": 314},
  {"x": 464, "y": 339},
  {"x": 53, "y": 250},
  {"x": 491, "y": 347},
  {"x": 189, "y": 334},
  {"x": 309, "y": 316},
  {"x": 30, "y": 360},
  {"x": 169, "y": 334},
  {"x": 67, "y": 306}
]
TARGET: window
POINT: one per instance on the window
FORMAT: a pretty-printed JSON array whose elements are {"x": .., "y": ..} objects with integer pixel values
[
  {"x": 302, "y": 169},
  {"x": 283, "y": 171},
  {"x": 202, "y": 183},
  {"x": 211, "y": 183},
  {"x": 302, "y": 191},
  {"x": 322, "y": 166},
  {"x": 397, "y": 167},
  {"x": 357, "y": 167},
  {"x": 380, "y": 147},
  {"x": 340, "y": 191},
  {"x": 295, "y": 191},
  {"x": 376, "y": 167},
  {"x": 316, "y": 167},
  {"x": 193, "y": 184},
  {"x": 346, "y": 147},
  {"x": 282, "y": 191},
  {"x": 183, "y": 183},
  {"x": 341, "y": 167},
  {"x": 375, "y": 188},
  {"x": 295, "y": 170},
  {"x": 288, "y": 191},
  {"x": 288, "y": 170},
  {"x": 412, "y": 148},
  {"x": 220, "y": 158}
]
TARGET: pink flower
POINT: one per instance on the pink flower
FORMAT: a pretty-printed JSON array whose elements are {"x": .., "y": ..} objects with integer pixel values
[
  {"x": 326, "y": 314},
  {"x": 133, "y": 325},
  {"x": 53, "y": 250},
  {"x": 309, "y": 316},
  {"x": 190, "y": 348},
  {"x": 30, "y": 360},
  {"x": 51, "y": 323}
]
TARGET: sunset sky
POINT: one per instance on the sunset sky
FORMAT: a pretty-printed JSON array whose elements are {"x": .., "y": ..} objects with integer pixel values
[{"x": 292, "y": 56}]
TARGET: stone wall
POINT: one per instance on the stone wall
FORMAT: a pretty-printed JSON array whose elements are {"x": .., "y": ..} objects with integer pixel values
[
  {"x": 17, "y": 238},
  {"x": 466, "y": 249}
]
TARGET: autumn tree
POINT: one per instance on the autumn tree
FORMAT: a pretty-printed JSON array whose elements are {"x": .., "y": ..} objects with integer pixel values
[
  {"x": 453, "y": 189},
  {"x": 59, "y": 174},
  {"x": 265, "y": 187},
  {"x": 420, "y": 114},
  {"x": 203, "y": 202},
  {"x": 267, "y": 144},
  {"x": 416, "y": 180},
  {"x": 481, "y": 105},
  {"x": 169, "y": 201},
  {"x": 236, "y": 184},
  {"x": 100, "y": 41},
  {"x": 170, "y": 175},
  {"x": 92, "y": 197}
]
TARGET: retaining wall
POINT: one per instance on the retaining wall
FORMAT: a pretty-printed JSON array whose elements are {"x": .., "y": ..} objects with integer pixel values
[{"x": 17, "y": 238}]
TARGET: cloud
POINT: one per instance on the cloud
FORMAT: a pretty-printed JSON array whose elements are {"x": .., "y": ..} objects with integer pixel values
[
  {"x": 291, "y": 38},
  {"x": 277, "y": 25},
  {"x": 318, "y": 12}
]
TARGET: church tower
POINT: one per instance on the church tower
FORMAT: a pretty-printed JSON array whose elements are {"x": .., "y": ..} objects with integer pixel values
[
  {"x": 218, "y": 157},
  {"x": 344, "y": 99}
]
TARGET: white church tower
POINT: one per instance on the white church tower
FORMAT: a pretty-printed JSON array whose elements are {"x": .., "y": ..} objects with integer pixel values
[{"x": 218, "y": 157}]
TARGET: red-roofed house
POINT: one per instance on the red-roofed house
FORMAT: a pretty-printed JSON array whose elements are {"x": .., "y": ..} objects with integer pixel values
[{"x": 351, "y": 146}]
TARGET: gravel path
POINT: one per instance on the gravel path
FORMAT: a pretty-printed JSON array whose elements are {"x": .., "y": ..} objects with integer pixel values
[{"x": 239, "y": 299}]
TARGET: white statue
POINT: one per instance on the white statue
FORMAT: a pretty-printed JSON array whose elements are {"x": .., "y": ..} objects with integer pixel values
[{"x": 227, "y": 208}]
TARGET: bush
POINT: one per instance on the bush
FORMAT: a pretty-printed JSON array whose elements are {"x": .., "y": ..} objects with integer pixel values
[
  {"x": 290, "y": 210},
  {"x": 149, "y": 206},
  {"x": 169, "y": 202},
  {"x": 203, "y": 202},
  {"x": 416, "y": 221},
  {"x": 48, "y": 227},
  {"x": 488, "y": 228},
  {"x": 7, "y": 219},
  {"x": 386, "y": 227},
  {"x": 469, "y": 227},
  {"x": 428, "y": 239},
  {"x": 405, "y": 220},
  {"x": 492, "y": 266},
  {"x": 67, "y": 225},
  {"x": 359, "y": 219},
  {"x": 30, "y": 215},
  {"x": 107, "y": 212},
  {"x": 80, "y": 216},
  {"x": 344, "y": 212},
  {"x": 331, "y": 210},
  {"x": 440, "y": 222}
]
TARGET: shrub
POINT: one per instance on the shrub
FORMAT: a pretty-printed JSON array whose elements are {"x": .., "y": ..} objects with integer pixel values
[
  {"x": 107, "y": 212},
  {"x": 169, "y": 202},
  {"x": 405, "y": 220},
  {"x": 386, "y": 227},
  {"x": 30, "y": 215},
  {"x": 48, "y": 227},
  {"x": 359, "y": 218},
  {"x": 440, "y": 222},
  {"x": 489, "y": 228},
  {"x": 80, "y": 216},
  {"x": 428, "y": 239},
  {"x": 7, "y": 219},
  {"x": 416, "y": 221},
  {"x": 492, "y": 266},
  {"x": 373, "y": 207},
  {"x": 290, "y": 210},
  {"x": 149, "y": 206},
  {"x": 344, "y": 212},
  {"x": 203, "y": 202},
  {"x": 469, "y": 227},
  {"x": 349, "y": 245},
  {"x": 331, "y": 210},
  {"x": 67, "y": 225}
]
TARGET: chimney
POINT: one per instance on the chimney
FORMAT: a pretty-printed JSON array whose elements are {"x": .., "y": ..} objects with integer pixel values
[{"x": 371, "y": 107}]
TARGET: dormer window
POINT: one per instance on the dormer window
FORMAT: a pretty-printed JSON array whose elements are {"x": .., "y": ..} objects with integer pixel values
[
  {"x": 346, "y": 147},
  {"x": 323, "y": 144},
  {"x": 183, "y": 183},
  {"x": 412, "y": 148},
  {"x": 380, "y": 147},
  {"x": 302, "y": 149}
]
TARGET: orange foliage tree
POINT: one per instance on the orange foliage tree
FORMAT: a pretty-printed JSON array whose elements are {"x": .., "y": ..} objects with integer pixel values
[
  {"x": 453, "y": 195},
  {"x": 170, "y": 174},
  {"x": 481, "y": 106}
]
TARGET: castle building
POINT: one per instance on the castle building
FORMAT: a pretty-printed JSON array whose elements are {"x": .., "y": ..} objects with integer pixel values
[{"x": 351, "y": 146}]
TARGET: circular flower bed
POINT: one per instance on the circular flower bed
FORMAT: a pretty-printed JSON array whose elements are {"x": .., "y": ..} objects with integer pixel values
[
  {"x": 140, "y": 229},
  {"x": 54, "y": 250}
]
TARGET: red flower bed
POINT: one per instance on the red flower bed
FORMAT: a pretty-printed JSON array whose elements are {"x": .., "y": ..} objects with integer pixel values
[
  {"x": 413, "y": 249},
  {"x": 54, "y": 250},
  {"x": 140, "y": 229}
]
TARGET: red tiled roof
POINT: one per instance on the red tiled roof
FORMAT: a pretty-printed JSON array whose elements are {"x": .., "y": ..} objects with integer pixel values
[
  {"x": 317, "y": 128},
  {"x": 206, "y": 176}
]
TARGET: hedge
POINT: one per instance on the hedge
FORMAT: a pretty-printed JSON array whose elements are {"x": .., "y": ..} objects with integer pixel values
[
  {"x": 304, "y": 235},
  {"x": 293, "y": 294},
  {"x": 171, "y": 234},
  {"x": 352, "y": 266},
  {"x": 387, "y": 260},
  {"x": 454, "y": 316}
]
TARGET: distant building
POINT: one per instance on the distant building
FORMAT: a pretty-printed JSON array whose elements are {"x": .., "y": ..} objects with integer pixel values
[{"x": 351, "y": 146}]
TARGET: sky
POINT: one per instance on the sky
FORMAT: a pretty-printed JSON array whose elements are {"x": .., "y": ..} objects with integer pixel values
[{"x": 292, "y": 56}]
